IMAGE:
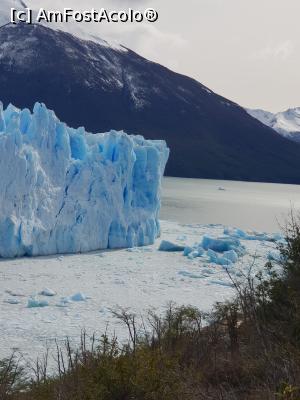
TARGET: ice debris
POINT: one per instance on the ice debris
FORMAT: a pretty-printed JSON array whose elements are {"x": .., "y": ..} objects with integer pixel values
[
  {"x": 260, "y": 236},
  {"x": 78, "y": 297},
  {"x": 275, "y": 255},
  {"x": 169, "y": 246},
  {"x": 222, "y": 251},
  {"x": 12, "y": 301},
  {"x": 33, "y": 302},
  {"x": 223, "y": 244},
  {"x": 64, "y": 302},
  {"x": 227, "y": 258},
  {"x": 227, "y": 249},
  {"x": 65, "y": 190},
  {"x": 47, "y": 292}
]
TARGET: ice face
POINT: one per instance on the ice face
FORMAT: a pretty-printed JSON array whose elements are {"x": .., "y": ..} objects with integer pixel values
[{"x": 64, "y": 190}]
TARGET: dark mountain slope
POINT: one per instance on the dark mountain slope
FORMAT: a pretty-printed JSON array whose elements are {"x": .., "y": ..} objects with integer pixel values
[{"x": 104, "y": 88}]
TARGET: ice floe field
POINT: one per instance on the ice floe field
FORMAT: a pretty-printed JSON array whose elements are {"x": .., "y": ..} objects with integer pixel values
[
  {"x": 50, "y": 298},
  {"x": 47, "y": 298}
]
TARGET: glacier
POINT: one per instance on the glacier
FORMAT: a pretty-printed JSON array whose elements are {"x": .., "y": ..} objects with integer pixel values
[{"x": 64, "y": 190}]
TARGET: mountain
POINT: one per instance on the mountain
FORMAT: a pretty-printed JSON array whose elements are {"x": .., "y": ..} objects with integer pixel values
[
  {"x": 101, "y": 87},
  {"x": 286, "y": 123}
]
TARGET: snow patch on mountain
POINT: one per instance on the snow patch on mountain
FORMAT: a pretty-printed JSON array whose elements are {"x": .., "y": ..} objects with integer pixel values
[
  {"x": 82, "y": 30},
  {"x": 64, "y": 190},
  {"x": 286, "y": 123},
  {"x": 102, "y": 67}
]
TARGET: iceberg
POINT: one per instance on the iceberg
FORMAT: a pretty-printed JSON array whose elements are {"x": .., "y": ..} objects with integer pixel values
[
  {"x": 47, "y": 292},
  {"x": 33, "y": 302},
  {"x": 64, "y": 190},
  {"x": 222, "y": 244},
  {"x": 170, "y": 247},
  {"x": 79, "y": 297}
]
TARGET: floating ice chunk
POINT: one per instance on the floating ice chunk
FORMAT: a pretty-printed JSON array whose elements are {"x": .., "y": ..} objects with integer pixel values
[
  {"x": 260, "y": 236},
  {"x": 221, "y": 245},
  {"x": 78, "y": 297},
  {"x": 70, "y": 191},
  {"x": 146, "y": 250},
  {"x": 133, "y": 250},
  {"x": 33, "y": 302},
  {"x": 14, "y": 294},
  {"x": 281, "y": 242},
  {"x": 64, "y": 302},
  {"x": 222, "y": 251},
  {"x": 12, "y": 301},
  {"x": 277, "y": 237},
  {"x": 187, "y": 250},
  {"x": 200, "y": 250},
  {"x": 274, "y": 255},
  {"x": 193, "y": 254},
  {"x": 231, "y": 255},
  {"x": 169, "y": 246},
  {"x": 181, "y": 238},
  {"x": 47, "y": 292},
  {"x": 217, "y": 259},
  {"x": 190, "y": 275},
  {"x": 237, "y": 233}
]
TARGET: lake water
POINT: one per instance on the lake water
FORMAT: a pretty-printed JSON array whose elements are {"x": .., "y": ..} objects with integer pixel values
[{"x": 247, "y": 205}]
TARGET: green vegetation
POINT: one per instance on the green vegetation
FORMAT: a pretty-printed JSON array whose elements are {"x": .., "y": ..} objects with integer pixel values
[{"x": 248, "y": 348}]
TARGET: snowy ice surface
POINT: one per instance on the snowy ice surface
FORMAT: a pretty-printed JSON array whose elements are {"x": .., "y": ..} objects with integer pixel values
[
  {"x": 65, "y": 191},
  {"x": 137, "y": 278}
]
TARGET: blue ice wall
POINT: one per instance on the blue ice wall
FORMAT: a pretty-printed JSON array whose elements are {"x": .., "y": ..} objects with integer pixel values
[{"x": 64, "y": 190}]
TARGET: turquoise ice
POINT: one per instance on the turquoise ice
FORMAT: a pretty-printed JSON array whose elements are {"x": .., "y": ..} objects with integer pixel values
[{"x": 64, "y": 190}]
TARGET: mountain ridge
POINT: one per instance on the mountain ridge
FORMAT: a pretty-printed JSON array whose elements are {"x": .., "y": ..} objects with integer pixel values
[
  {"x": 286, "y": 123},
  {"x": 101, "y": 88}
]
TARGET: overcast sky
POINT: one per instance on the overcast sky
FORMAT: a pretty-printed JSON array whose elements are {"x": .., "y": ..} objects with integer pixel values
[{"x": 245, "y": 50}]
